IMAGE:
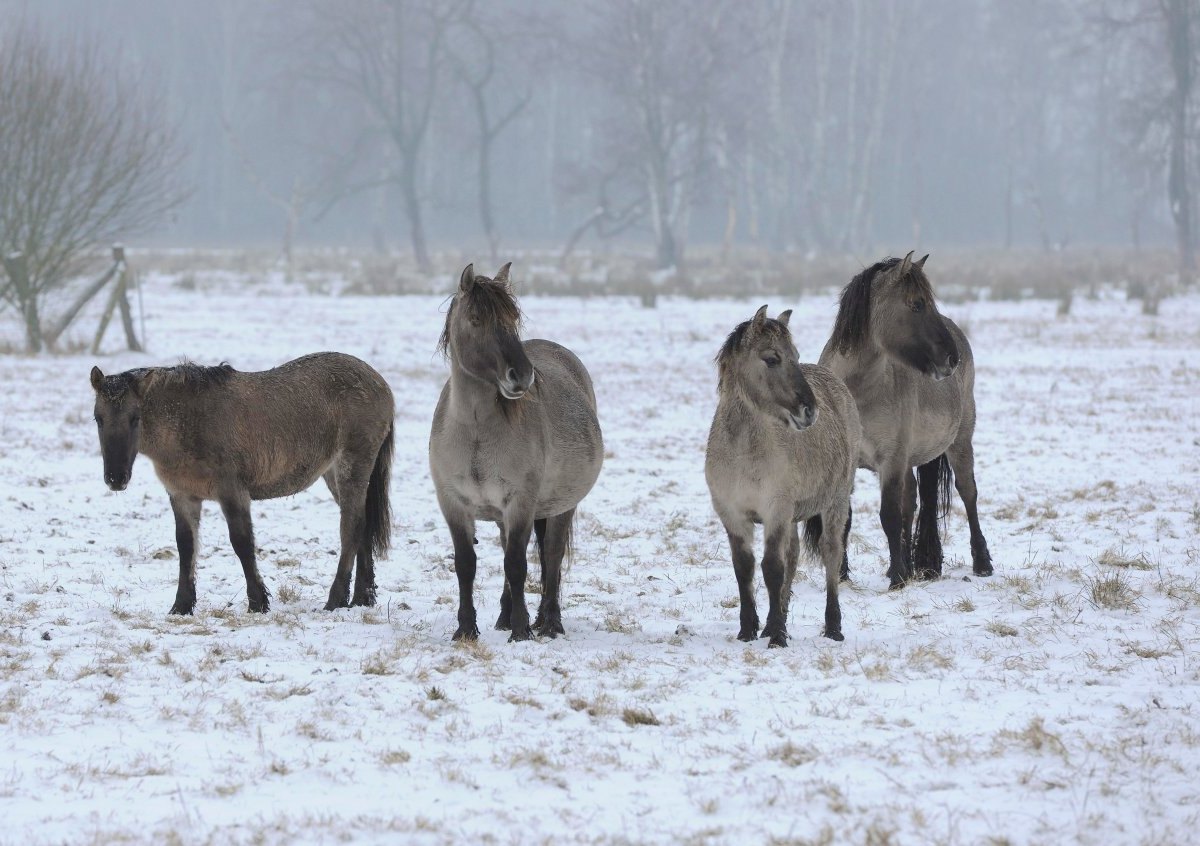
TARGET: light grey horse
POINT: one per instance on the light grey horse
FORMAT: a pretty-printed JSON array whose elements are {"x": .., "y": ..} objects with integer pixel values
[
  {"x": 913, "y": 377},
  {"x": 782, "y": 449},
  {"x": 515, "y": 440},
  {"x": 214, "y": 433}
]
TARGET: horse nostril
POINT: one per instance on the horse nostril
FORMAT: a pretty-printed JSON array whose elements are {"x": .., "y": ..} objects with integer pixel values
[{"x": 512, "y": 375}]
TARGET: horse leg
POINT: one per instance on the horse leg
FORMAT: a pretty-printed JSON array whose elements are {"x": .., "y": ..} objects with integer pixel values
[
  {"x": 552, "y": 542},
  {"x": 845, "y": 574},
  {"x": 187, "y": 535},
  {"x": 791, "y": 559},
  {"x": 504, "y": 621},
  {"x": 774, "y": 570},
  {"x": 962, "y": 461},
  {"x": 832, "y": 548},
  {"x": 891, "y": 514},
  {"x": 741, "y": 548},
  {"x": 241, "y": 535},
  {"x": 462, "y": 533},
  {"x": 516, "y": 566},
  {"x": 927, "y": 545}
]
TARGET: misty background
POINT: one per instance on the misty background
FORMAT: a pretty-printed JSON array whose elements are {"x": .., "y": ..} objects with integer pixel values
[{"x": 820, "y": 126}]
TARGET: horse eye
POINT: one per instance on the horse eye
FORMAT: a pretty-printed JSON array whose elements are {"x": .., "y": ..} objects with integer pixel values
[
  {"x": 918, "y": 305},
  {"x": 771, "y": 360}
]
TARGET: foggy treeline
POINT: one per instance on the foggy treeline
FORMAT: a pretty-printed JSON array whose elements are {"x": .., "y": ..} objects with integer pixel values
[{"x": 812, "y": 125}]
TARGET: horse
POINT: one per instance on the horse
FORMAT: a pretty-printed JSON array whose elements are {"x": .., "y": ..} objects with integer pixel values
[
  {"x": 214, "y": 433},
  {"x": 782, "y": 449},
  {"x": 912, "y": 375},
  {"x": 515, "y": 440}
]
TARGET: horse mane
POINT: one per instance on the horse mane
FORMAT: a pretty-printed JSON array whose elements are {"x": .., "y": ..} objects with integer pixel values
[
  {"x": 488, "y": 301},
  {"x": 198, "y": 376},
  {"x": 853, "y": 321},
  {"x": 728, "y": 349}
]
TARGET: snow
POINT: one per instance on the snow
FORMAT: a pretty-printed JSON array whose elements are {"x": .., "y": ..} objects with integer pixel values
[{"x": 1020, "y": 708}]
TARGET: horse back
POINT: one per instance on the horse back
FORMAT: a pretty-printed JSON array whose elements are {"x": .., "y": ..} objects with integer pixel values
[{"x": 271, "y": 433}]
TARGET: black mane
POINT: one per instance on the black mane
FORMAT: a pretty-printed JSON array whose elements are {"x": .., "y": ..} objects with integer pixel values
[
  {"x": 491, "y": 303},
  {"x": 854, "y": 314},
  {"x": 199, "y": 376},
  {"x": 725, "y": 354}
]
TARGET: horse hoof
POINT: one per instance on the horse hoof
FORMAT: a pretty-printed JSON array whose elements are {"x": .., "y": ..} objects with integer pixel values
[
  {"x": 471, "y": 633},
  {"x": 838, "y": 636},
  {"x": 367, "y": 601},
  {"x": 549, "y": 628},
  {"x": 985, "y": 570},
  {"x": 520, "y": 635},
  {"x": 502, "y": 624},
  {"x": 778, "y": 641},
  {"x": 897, "y": 584},
  {"x": 334, "y": 604},
  {"x": 748, "y": 635},
  {"x": 927, "y": 575},
  {"x": 183, "y": 610},
  {"x": 260, "y": 607}
]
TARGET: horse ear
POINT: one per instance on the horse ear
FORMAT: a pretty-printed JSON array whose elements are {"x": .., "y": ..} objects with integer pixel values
[
  {"x": 921, "y": 262},
  {"x": 97, "y": 379},
  {"x": 785, "y": 317},
  {"x": 760, "y": 316},
  {"x": 502, "y": 274},
  {"x": 467, "y": 279},
  {"x": 906, "y": 265}
]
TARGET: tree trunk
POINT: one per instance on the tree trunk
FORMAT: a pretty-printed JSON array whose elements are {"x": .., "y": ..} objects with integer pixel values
[
  {"x": 412, "y": 209},
  {"x": 1179, "y": 14},
  {"x": 18, "y": 272}
]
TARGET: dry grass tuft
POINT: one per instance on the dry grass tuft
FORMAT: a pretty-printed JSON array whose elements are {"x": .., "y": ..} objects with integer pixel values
[
  {"x": 1113, "y": 591},
  {"x": 634, "y": 716},
  {"x": 1002, "y": 629},
  {"x": 792, "y": 755},
  {"x": 1034, "y": 737},
  {"x": 1114, "y": 558}
]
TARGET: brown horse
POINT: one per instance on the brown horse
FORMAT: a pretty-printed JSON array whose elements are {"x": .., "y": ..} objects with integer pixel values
[
  {"x": 214, "y": 433},
  {"x": 782, "y": 449},
  {"x": 913, "y": 378},
  {"x": 516, "y": 440}
]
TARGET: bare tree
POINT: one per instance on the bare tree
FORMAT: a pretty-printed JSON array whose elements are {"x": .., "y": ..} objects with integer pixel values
[
  {"x": 1162, "y": 38},
  {"x": 86, "y": 157},
  {"x": 475, "y": 65},
  {"x": 389, "y": 55},
  {"x": 661, "y": 62}
]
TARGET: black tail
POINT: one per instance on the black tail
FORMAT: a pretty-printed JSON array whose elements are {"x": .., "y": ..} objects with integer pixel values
[
  {"x": 813, "y": 529},
  {"x": 378, "y": 533},
  {"x": 935, "y": 484}
]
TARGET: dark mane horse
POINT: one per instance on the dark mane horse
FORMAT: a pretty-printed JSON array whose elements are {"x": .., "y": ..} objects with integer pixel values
[
  {"x": 912, "y": 375},
  {"x": 781, "y": 450},
  {"x": 214, "y": 433},
  {"x": 515, "y": 440}
]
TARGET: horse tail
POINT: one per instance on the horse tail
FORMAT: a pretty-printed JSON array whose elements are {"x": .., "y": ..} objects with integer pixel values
[
  {"x": 813, "y": 529},
  {"x": 936, "y": 483},
  {"x": 378, "y": 531},
  {"x": 569, "y": 540}
]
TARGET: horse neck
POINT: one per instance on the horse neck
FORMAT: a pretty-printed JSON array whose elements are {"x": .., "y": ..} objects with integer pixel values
[
  {"x": 744, "y": 419},
  {"x": 164, "y": 412},
  {"x": 472, "y": 400}
]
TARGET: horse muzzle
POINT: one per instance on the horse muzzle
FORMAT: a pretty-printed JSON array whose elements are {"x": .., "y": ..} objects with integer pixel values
[
  {"x": 803, "y": 419},
  {"x": 116, "y": 483},
  {"x": 512, "y": 387}
]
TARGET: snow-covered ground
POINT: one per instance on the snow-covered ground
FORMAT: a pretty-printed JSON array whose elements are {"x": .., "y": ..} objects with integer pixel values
[{"x": 1058, "y": 701}]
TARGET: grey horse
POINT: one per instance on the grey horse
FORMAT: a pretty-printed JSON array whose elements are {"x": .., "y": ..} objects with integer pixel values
[
  {"x": 782, "y": 449},
  {"x": 515, "y": 440},
  {"x": 214, "y": 433},
  {"x": 912, "y": 374}
]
